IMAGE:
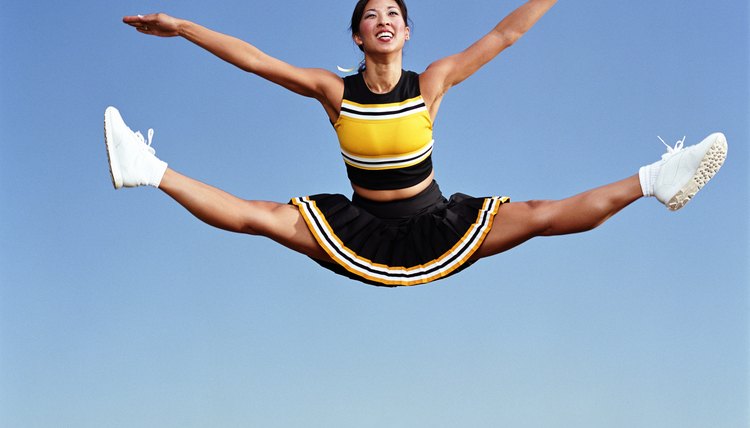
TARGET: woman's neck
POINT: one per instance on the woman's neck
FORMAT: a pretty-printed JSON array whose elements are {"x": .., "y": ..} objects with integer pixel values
[{"x": 382, "y": 77}]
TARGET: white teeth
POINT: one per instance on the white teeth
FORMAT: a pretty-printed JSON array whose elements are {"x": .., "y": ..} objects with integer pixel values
[{"x": 384, "y": 35}]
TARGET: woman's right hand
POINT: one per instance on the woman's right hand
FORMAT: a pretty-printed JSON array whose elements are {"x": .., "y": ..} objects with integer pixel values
[{"x": 155, "y": 24}]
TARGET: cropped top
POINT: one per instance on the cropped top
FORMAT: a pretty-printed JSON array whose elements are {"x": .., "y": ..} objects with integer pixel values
[{"x": 385, "y": 139}]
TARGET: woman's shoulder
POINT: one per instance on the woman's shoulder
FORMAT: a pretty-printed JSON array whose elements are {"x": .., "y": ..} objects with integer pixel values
[{"x": 410, "y": 83}]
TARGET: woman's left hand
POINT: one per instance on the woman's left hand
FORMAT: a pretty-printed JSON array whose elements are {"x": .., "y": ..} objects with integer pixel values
[{"x": 155, "y": 24}]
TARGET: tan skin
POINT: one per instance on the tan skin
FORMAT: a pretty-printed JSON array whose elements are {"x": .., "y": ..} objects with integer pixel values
[{"x": 515, "y": 222}]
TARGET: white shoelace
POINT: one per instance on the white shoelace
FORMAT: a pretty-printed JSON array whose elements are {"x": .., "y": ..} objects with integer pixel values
[
  {"x": 150, "y": 137},
  {"x": 671, "y": 151}
]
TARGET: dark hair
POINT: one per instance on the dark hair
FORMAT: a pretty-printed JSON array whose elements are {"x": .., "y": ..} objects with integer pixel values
[{"x": 359, "y": 10}]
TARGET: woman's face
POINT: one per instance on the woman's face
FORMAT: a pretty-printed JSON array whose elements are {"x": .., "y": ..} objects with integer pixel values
[{"x": 382, "y": 28}]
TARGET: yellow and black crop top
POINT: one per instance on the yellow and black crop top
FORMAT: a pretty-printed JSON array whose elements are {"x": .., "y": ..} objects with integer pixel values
[{"x": 386, "y": 139}]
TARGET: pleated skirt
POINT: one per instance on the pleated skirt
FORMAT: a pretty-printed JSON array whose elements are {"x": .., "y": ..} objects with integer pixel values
[{"x": 399, "y": 243}]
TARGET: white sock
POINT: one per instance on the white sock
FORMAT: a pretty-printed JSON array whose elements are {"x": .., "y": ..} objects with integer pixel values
[
  {"x": 647, "y": 175},
  {"x": 156, "y": 171}
]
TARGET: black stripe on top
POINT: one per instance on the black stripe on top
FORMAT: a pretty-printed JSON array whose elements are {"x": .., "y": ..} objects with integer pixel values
[
  {"x": 382, "y": 113},
  {"x": 385, "y": 162}
]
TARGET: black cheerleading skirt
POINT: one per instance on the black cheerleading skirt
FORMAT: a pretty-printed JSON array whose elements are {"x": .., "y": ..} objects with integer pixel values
[{"x": 405, "y": 242}]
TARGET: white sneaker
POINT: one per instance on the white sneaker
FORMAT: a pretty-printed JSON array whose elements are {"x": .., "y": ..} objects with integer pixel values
[
  {"x": 132, "y": 162},
  {"x": 681, "y": 173}
]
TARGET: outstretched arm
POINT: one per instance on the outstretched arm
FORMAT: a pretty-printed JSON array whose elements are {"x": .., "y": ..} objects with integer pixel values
[
  {"x": 310, "y": 82},
  {"x": 450, "y": 71}
]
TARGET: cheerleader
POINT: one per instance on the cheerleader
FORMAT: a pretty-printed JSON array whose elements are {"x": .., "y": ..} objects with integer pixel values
[{"x": 397, "y": 229}]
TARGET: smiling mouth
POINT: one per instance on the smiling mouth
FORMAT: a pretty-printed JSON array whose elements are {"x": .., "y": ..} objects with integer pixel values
[{"x": 384, "y": 35}]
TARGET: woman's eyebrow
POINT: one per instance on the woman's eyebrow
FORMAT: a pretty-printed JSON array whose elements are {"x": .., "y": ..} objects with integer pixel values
[{"x": 389, "y": 9}]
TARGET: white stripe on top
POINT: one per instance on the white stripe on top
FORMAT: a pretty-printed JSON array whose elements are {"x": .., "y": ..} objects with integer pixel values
[{"x": 390, "y": 161}]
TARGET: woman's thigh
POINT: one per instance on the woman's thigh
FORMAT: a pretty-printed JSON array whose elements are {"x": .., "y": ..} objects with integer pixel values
[
  {"x": 514, "y": 224},
  {"x": 284, "y": 224}
]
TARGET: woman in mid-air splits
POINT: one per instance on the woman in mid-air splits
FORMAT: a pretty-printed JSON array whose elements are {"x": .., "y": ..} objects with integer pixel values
[{"x": 397, "y": 229}]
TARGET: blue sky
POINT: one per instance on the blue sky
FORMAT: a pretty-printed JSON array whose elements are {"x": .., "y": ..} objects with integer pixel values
[{"x": 118, "y": 309}]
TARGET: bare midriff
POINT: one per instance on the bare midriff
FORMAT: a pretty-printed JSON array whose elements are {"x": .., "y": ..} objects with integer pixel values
[{"x": 395, "y": 194}]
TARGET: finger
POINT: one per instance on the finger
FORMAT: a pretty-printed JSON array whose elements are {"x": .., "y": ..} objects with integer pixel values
[
  {"x": 139, "y": 22},
  {"x": 133, "y": 19}
]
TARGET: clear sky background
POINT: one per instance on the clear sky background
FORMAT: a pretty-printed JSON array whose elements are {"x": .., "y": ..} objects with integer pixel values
[{"x": 119, "y": 309}]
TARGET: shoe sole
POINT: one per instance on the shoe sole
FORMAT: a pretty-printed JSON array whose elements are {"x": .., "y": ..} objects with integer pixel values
[
  {"x": 709, "y": 166},
  {"x": 114, "y": 169}
]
